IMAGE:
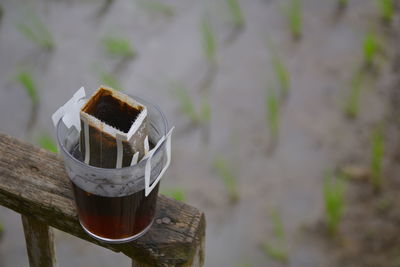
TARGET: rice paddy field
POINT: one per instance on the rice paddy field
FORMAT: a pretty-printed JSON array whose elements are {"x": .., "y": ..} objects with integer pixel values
[{"x": 286, "y": 112}]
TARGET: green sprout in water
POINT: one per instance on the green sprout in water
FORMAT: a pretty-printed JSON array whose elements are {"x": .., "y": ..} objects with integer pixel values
[
  {"x": 243, "y": 264},
  {"x": 205, "y": 113},
  {"x": 208, "y": 40},
  {"x": 158, "y": 7},
  {"x": 294, "y": 18},
  {"x": 119, "y": 47},
  {"x": 333, "y": 191},
  {"x": 188, "y": 107},
  {"x": 282, "y": 74},
  {"x": 46, "y": 142},
  {"x": 276, "y": 250},
  {"x": 370, "y": 49},
  {"x": 272, "y": 104},
  {"x": 281, "y": 71},
  {"x": 27, "y": 82},
  {"x": 275, "y": 253},
  {"x": 110, "y": 80},
  {"x": 224, "y": 171},
  {"x": 1, "y": 13},
  {"x": 352, "y": 103},
  {"x": 236, "y": 13},
  {"x": 342, "y": 4},
  {"x": 377, "y": 151},
  {"x": 1, "y": 229},
  {"x": 175, "y": 193},
  {"x": 386, "y": 9},
  {"x": 186, "y": 104},
  {"x": 36, "y": 31},
  {"x": 25, "y": 79},
  {"x": 277, "y": 225}
]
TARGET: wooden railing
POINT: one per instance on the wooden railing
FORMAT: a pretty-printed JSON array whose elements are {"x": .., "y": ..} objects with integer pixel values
[{"x": 33, "y": 183}]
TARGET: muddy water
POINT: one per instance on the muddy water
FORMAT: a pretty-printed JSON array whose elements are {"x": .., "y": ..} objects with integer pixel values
[{"x": 314, "y": 135}]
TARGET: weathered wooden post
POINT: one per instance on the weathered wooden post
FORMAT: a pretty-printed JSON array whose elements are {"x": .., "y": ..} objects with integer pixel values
[{"x": 39, "y": 240}]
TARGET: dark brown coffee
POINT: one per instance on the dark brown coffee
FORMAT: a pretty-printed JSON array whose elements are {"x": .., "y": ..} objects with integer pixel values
[{"x": 115, "y": 217}]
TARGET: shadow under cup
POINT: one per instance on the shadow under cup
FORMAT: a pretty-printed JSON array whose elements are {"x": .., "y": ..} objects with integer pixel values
[{"x": 111, "y": 203}]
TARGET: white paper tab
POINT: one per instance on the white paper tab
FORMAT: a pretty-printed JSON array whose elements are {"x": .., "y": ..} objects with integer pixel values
[{"x": 69, "y": 112}]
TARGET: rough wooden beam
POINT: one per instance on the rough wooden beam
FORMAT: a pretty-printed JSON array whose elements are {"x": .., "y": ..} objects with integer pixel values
[
  {"x": 33, "y": 182},
  {"x": 39, "y": 240}
]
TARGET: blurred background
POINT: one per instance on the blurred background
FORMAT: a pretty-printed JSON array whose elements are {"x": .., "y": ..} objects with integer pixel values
[{"x": 286, "y": 116}]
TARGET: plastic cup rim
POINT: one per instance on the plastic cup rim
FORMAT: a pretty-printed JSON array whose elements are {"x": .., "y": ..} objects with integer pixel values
[{"x": 144, "y": 102}]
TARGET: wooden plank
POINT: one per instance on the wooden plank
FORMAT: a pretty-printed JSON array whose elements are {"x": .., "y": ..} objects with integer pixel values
[
  {"x": 33, "y": 182},
  {"x": 39, "y": 240}
]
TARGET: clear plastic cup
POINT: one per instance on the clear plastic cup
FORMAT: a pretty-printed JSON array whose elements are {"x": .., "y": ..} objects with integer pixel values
[{"x": 117, "y": 205}]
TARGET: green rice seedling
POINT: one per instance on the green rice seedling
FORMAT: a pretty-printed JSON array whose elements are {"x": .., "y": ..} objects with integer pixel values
[
  {"x": 281, "y": 71},
  {"x": 352, "y": 103},
  {"x": 36, "y": 31},
  {"x": 276, "y": 253},
  {"x": 282, "y": 75},
  {"x": 25, "y": 79},
  {"x": 175, "y": 193},
  {"x": 243, "y": 264},
  {"x": 110, "y": 80},
  {"x": 293, "y": 14},
  {"x": 225, "y": 172},
  {"x": 235, "y": 13},
  {"x": 276, "y": 250},
  {"x": 272, "y": 104},
  {"x": 1, "y": 12},
  {"x": 205, "y": 114},
  {"x": 341, "y": 6},
  {"x": 342, "y": 3},
  {"x": 208, "y": 40},
  {"x": 1, "y": 229},
  {"x": 158, "y": 7},
  {"x": 186, "y": 104},
  {"x": 118, "y": 46},
  {"x": 377, "y": 152},
  {"x": 277, "y": 225},
  {"x": 386, "y": 9},
  {"x": 370, "y": 49},
  {"x": 47, "y": 143},
  {"x": 188, "y": 107},
  {"x": 385, "y": 204},
  {"x": 333, "y": 192}
]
